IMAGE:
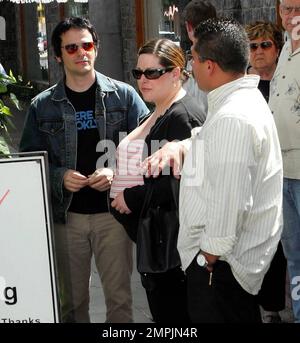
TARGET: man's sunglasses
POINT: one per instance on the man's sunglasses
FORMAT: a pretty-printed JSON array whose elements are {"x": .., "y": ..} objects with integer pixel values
[
  {"x": 72, "y": 48},
  {"x": 150, "y": 73},
  {"x": 264, "y": 45}
]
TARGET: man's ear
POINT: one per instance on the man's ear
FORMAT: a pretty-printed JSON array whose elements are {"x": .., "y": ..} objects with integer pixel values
[
  {"x": 189, "y": 27},
  {"x": 210, "y": 66},
  {"x": 190, "y": 31},
  {"x": 58, "y": 59}
]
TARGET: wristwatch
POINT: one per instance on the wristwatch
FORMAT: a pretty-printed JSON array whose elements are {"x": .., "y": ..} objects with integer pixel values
[{"x": 201, "y": 260}]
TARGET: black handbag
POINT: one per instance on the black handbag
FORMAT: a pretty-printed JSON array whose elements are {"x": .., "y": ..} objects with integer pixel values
[{"x": 157, "y": 233}]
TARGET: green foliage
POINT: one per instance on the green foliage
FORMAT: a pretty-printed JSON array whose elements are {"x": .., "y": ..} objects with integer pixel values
[{"x": 5, "y": 112}]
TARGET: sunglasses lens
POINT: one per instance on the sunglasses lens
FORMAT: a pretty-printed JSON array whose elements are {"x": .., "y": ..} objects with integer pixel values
[
  {"x": 88, "y": 46},
  {"x": 71, "y": 48},
  {"x": 137, "y": 74},
  {"x": 152, "y": 74},
  {"x": 266, "y": 45}
]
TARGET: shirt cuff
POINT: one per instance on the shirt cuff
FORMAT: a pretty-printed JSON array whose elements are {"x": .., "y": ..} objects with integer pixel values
[{"x": 218, "y": 246}]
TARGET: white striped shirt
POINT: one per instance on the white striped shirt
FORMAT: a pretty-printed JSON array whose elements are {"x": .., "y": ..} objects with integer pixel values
[
  {"x": 128, "y": 172},
  {"x": 234, "y": 211}
]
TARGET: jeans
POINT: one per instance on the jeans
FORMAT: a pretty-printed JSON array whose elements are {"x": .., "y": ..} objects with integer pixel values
[{"x": 291, "y": 239}]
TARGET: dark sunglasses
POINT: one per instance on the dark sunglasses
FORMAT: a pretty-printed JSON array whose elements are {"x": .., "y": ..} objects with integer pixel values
[
  {"x": 264, "y": 45},
  {"x": 72, "y": 48},
  {"x": 150, "y": 74}
]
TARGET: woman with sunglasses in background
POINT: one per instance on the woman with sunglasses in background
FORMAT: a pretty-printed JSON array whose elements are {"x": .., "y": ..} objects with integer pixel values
[
  {"x": 159, "y": 74},
  {"x": 266, "y": 41}
]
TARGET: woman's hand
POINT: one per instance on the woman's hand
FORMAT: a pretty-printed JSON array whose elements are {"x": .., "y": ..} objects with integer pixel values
[{"x": 119, "y": 204}]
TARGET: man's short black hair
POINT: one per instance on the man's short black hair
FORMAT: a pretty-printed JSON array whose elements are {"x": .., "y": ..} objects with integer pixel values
[
  {"x": 224, "y": 41},
  {"x": 67, "y": 24},
  {"x": 198, "y": 10}
]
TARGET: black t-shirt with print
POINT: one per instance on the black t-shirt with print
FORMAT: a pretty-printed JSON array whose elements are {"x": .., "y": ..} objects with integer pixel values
[{"x": 87, "y": 200}]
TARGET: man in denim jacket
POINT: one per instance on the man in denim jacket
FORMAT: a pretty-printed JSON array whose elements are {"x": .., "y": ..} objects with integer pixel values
[{"x": 69, "y": 120}]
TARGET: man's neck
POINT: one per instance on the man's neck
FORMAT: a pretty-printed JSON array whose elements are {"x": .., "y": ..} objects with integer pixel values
[
  {"x": 80, "y": 83},
  {"x": 224, "y": 78}
]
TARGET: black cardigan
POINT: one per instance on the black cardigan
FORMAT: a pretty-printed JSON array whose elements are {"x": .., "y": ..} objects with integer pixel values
[{"x": 175, "y": 124}]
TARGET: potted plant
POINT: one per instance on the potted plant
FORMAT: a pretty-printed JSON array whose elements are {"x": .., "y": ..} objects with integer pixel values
[{"x": 5, "y": 112}]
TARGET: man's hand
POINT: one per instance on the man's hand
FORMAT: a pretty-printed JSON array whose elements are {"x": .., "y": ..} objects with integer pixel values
[
  {"x": 211, "y": 259},
  {"x": 119, "y": 204},
  {"x": 101, "y": 179},
  {"x": 171, "y": 154},
  {"x": 74, "y": 181}
]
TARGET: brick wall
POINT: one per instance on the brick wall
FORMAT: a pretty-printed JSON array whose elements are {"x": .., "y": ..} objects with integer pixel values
[{"x": 246, "y": 11}]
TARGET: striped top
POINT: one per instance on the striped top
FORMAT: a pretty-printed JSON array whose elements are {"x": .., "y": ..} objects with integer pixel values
[
  {"x": 231, "y": 185},
  {"x": 128, "y": 174}
]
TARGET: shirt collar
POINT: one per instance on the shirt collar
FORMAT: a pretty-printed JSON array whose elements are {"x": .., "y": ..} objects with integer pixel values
[{"x": 217, "y": 97}]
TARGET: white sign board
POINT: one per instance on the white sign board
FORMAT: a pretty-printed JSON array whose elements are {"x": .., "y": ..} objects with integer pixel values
[{"x": 27, "y": 275}]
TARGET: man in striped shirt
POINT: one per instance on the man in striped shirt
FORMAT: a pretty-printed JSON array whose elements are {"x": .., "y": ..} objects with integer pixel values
[{"x": 231, "y": 184}]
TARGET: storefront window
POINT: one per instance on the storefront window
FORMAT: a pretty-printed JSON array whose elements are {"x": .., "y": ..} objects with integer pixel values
[
  {"x": 162, "y": 19},
  {"x": 170, "y": 23},
  {"x": 77, "y": 9},
  {"x": 42, "y": 41}
]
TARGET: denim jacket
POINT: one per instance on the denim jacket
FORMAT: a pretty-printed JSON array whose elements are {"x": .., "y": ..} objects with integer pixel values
[{"x": 51, "y": 126}]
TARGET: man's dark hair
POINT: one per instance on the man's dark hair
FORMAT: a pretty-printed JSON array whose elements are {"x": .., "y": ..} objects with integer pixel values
[
  {"x": 66, "y": 25},
  {"x": 225, "y": 42},
  {"x": 197, "y": 10}
]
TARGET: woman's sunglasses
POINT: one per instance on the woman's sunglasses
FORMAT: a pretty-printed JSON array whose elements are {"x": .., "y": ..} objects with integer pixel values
[
  {"x": 150, "y": 73},
  {"x": 264, "y": 45},
  {"x": 72, "y": 48}
]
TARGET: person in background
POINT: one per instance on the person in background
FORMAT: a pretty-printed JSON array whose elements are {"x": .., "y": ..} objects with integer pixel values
[
  {"x": 159, "y": 73},
  {"x": 285, "y": 105},
  {"x": 266, "y": 40},
  {"x": 195, "y": 12},
  {"x": 68, "y": 121},
  {"x": 231, "y": 182}
]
